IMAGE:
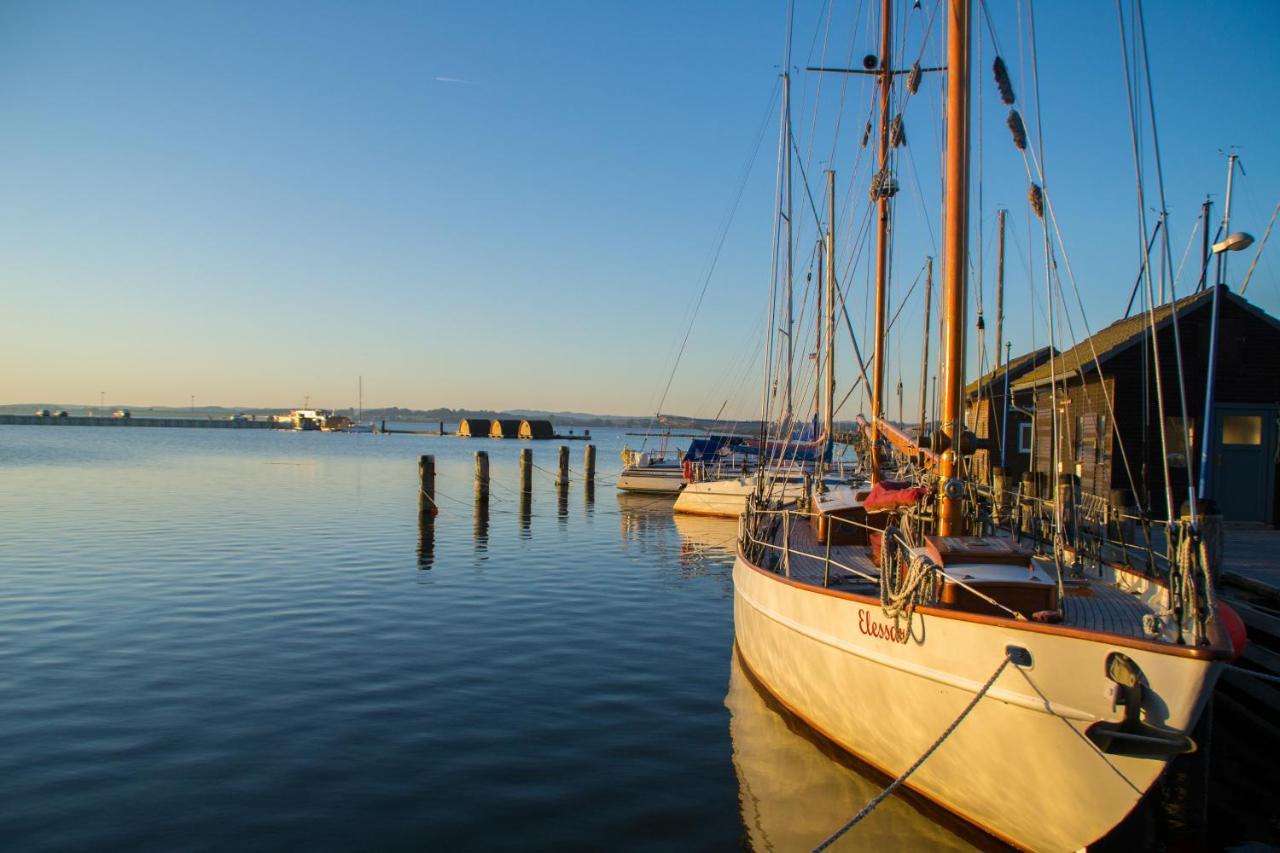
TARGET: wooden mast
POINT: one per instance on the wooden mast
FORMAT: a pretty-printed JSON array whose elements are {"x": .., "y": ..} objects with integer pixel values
[
  {"x": 830, "y": 390},
  {"x": 924, "y": 360},
  {"x": 955, "y": 243},
  {"x": 882, "y": 191}
]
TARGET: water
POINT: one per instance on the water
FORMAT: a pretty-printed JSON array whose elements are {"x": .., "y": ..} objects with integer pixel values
[{"x": 239, "y": 639}]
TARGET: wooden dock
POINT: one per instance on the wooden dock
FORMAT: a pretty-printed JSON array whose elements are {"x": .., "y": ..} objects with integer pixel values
[{"x": 107, "y": 421}]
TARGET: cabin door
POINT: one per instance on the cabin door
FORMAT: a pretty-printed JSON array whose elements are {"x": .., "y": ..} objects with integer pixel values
[{"x": 1244, "y": 462}]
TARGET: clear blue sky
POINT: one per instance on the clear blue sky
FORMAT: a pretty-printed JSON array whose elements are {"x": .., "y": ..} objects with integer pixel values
[{"x": 510, "y": 205}]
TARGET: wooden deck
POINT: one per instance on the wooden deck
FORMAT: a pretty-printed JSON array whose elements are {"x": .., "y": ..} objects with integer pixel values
[
  {"x": 1093, "y": 605},
  {"x": 1100, "y": 606},
  {"x": 808, "y": 561}
]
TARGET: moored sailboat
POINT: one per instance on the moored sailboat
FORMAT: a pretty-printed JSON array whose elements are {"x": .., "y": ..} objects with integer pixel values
[{"x": 1038, "y": 704}]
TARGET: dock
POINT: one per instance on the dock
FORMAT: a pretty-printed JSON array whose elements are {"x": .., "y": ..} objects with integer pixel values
[{"x": 111, "y": 421}]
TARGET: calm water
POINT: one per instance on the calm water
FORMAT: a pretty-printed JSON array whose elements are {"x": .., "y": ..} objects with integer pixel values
[
  {"x": 214, "y": 639},
  {"x": 218, "y": 639}
]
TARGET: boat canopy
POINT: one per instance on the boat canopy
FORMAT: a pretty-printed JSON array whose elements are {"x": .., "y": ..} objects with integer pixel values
[
  {"x": 804, "y": 444},
  {"x": 714, "y": 448}
]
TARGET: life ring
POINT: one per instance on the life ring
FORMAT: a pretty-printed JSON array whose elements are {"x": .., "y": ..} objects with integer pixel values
[{"x": 686, "y": 468}]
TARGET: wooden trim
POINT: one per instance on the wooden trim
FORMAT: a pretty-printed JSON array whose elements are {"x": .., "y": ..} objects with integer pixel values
[{"x": 1220, "y": 649}]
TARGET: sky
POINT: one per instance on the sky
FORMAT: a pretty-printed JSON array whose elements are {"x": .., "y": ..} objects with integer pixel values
[{"x": 519, "y": 204}]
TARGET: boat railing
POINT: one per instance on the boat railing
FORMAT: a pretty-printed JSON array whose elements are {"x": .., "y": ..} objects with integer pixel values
[
  {"x": 758, "y": 525},
  {"x": 756, "y": 529}
]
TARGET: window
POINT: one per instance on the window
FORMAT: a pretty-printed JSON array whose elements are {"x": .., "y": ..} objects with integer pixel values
[
  {"x": 1242, "y": 429},
  {"x": 1024, "y": 438},
  {"x": 1103, "y": 445},
  {"x": 1077, "y": 440}
]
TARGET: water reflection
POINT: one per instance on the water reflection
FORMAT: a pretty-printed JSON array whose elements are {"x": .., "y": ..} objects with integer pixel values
[
  {"x": 795, "y": 789},
  {"x": 426, "y": 540},
  {"x": 642, "y": 515},
  {"x": 482, "y": 525},
  {"x": 706, "y": 535}
]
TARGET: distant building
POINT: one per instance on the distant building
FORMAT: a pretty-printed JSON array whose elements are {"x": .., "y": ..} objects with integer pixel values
[
  {"x": 504, "y": 428},
  {"x": 1109, "y": 428},
  {"x": 537, "y": 429},
  {"x": 471, "y": 427}
]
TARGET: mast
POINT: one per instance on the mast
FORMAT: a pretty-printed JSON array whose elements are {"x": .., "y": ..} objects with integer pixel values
[
  {"x": 924, "y": 360},
  {"x": 1000, "y": 354},
  {"x": 1000, "y": 289},
  {"x": 819, "y": 292},
  {"x": 1206, "y": 438},
  {"x": 786, "y": 180},
  {"x": 955, "y": 244},
  {"x": 1204, "y": 248},
  {"x": 829, "y": 392},
  {"x": 883, "y": 193}
]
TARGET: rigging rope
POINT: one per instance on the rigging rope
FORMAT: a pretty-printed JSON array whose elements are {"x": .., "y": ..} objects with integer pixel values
[{"x": 897, "y": 783}]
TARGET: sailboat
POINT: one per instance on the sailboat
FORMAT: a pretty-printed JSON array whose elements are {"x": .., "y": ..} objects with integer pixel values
[
  {"x": 790, "y": 462},
  {"x": 1036, "y": 704},
  {"x": 359, "y": 424}
]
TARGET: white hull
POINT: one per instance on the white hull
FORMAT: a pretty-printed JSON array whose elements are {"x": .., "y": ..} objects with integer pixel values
[
  {"x": 1020, "y": 765},
  {"x": 728, "y": 498},
  {"x": 792, "y": 793},
  {"x": 652, "y": 480}
]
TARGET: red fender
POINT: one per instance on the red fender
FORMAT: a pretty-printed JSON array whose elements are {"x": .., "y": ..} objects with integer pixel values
[{"x": 1234, "y": 626}]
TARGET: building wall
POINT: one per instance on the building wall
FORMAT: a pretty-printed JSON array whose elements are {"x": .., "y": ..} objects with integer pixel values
[
  {"x": 1248, "y": 372},
  {"x": 1085, "y": 435}
]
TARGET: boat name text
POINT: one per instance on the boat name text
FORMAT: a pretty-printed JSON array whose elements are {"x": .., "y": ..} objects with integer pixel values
[{"x": 881, "y": 630}]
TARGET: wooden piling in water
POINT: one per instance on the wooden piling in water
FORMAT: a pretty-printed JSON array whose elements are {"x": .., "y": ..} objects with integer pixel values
[
  {"x": 562, "y": 477},
  {"x": 589, "y": 464},
  {"x": 482, "y": 476},
  {"x": 526, "y": 470},
  {"x": 426, "y": 486}
]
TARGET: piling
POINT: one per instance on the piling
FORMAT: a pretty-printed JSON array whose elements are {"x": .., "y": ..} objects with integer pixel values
[
  {"x": 442, "y": 427},
  {"x": 999, "y": 493},
  {"x": 1029, "y": 508},
  {"x": 426, "y": 486},
  {"x": 526, "y": 470},
  {"x": 482, "y": 477},
  {"x": 589, "y": 464},
  {"x": 562, "y": 477},
  {"x": 1066, "y": 504}
]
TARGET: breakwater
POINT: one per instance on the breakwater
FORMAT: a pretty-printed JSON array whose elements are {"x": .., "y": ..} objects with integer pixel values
[{"x": 94, "y": 420}]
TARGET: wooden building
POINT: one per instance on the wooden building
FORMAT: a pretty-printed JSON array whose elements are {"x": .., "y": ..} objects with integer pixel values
[
  {"x": 988, "y": 402},
  {"x": 1109, "y": 432},
  {"x": 504, "y": 428},
  {"x": 537, "y": 429},
  {"x": 473, "y": 427}
]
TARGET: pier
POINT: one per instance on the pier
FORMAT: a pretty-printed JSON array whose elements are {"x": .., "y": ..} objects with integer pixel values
[{"x": 111, "y": 421}]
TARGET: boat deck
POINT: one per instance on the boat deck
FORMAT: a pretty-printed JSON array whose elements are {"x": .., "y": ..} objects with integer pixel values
[{"x": 1091, "y": 604}]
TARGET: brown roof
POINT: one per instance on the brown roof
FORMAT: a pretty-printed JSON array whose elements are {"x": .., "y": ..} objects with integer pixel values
[
  {"x": 1017, "y": 366},
  {"x": 1116, "y": 338}
]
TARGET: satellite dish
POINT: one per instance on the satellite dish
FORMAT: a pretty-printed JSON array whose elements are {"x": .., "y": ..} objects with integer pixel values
[{"x": 1236, "y": 242}]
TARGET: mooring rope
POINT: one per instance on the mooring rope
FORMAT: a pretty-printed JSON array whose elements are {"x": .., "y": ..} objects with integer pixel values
[{"x": 896, "y": 783}]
